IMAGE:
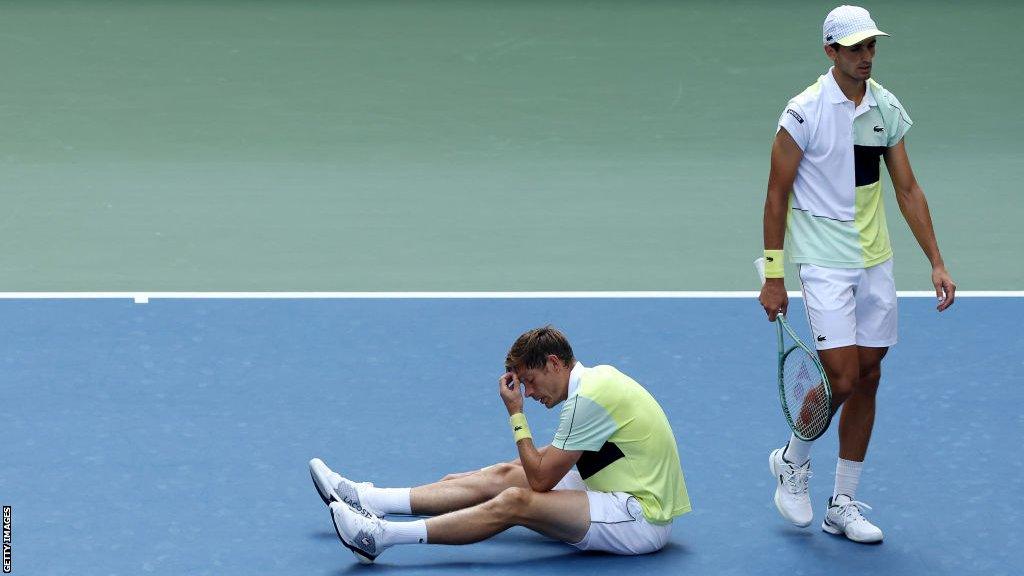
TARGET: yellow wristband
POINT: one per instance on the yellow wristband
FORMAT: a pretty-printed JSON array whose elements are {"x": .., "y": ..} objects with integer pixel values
[
  {"x": 520, "y": 429},
  {"x": 773, "y": 267}
]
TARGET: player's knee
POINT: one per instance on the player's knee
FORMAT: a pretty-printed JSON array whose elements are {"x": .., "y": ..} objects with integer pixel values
[
  {"x": 511, "y": 502},
  {"x": 869, "y": 379},
  {"x": 842, "y": 386},
  {"x": 499, "y": 476},
  {"x": 502, "y": 471}
]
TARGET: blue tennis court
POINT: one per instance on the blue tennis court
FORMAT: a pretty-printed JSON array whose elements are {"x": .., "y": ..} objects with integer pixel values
[
  {"x": 359, "y": 147},
  {"x": 172, "y": 437}
]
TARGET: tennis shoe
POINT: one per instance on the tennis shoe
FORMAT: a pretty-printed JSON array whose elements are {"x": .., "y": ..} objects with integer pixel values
[
  {"x": 359, "y": 531},
  {"x": 333, "y": 487},
  {"x": 791, "y": 495},
  {"x": 844, "y": 517}
]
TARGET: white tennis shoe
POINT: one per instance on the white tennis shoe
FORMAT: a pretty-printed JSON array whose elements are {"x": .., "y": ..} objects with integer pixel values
[
  {"x": 333, "y": 487},
  {"x": 359, "y": 531},
  {"x": 844, "y": 517},
  {"x": 791, "y": 495}
]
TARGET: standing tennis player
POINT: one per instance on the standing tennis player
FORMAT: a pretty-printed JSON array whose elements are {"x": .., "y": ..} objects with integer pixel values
[
  {"x": 626, "y": 489},
  {"x": 825, "y": 199}
]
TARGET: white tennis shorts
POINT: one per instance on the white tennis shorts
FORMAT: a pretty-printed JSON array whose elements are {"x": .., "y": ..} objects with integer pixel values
[
  {"x": 850, "y": 306},
  {"x": 617, "y": 522}
]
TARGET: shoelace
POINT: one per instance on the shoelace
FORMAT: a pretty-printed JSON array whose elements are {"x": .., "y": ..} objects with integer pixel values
[
  {"x": 796, "y": 479},
  {"x": 850, "y": 511}
]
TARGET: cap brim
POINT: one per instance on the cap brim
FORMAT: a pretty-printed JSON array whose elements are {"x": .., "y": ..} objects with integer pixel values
[{"x": 860, "y": 37}]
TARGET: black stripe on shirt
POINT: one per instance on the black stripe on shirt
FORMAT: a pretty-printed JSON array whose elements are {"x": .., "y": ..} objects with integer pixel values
[
  {"x": 867, "y": 164},
  {"x": 591, "y": 463},
  {"x": 817, "y": 216}
]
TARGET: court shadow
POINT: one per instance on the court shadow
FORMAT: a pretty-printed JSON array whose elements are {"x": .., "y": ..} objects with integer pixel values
[
  {"x": 536, "y": 557},
  {"x": 812, "y": 533},
  {"x": 796, "y": 533},
  {"x": 320, "y": 535}
]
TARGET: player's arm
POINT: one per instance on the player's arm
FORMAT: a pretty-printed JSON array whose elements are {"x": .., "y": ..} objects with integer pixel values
[
  {"x": 515, "y": 461},
  {"x": 786, "y": 156},
  {"x": 519, "y": 461},
  {"x": 914, "y": 207},
  {"x": 546, "y": 467},
  {"x": 544, "y": 470}
]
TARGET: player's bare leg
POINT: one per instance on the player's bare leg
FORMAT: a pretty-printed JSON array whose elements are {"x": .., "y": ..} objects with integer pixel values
[
  {"x": 858, "y": 417},
  {"x": 463, "y": 491},
  {"x": 454, "y": 492},
  {"x": 842, "y": 365},
  {"x": 560, "y": 514},
  {"x": 563, "y": 515},
  {"x": 844, "y": 515}
]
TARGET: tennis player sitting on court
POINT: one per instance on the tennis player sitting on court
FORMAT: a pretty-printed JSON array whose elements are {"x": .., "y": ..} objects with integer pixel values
[
  {"x": 627, "y": 487},
  {"x": 825, "y": 198}
]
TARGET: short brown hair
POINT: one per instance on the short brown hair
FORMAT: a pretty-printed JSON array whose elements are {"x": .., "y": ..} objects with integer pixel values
[{"x": 532, "y": 349}]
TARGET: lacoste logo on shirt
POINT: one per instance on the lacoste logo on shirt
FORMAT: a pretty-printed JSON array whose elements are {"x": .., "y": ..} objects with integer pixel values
[
  {"x": 793, "y": 113},
  {"x": 821, "y": 338},
  {"x": 879, "y": 129}
]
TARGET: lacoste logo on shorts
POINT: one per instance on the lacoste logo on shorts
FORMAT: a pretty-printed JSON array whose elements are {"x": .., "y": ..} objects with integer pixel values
[
  {"x": 879, "y": 129},
  {"x": 793, "y": 113},
  {"x": 821, "y": 338},
  {"x": 769, "y": 259},
  {"x": 517, "y": 428}
]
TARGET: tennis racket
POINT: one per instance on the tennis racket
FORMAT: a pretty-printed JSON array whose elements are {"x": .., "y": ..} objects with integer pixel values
[{"x": 803, "y": 386}]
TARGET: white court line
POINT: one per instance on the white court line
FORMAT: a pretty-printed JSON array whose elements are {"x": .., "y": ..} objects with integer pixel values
[{"x": 145, "y": 297}]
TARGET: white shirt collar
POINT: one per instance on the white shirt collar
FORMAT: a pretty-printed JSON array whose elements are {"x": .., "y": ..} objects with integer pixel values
[
  {"x": 869, "y": 98},
  {"x": 835, "y": 93},
  {"x": 836, "y": 96},
  {"x": 574, "y": 379}
]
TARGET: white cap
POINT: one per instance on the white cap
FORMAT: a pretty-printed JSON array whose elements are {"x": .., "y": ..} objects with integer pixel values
[{"x": 848, "y": 25}]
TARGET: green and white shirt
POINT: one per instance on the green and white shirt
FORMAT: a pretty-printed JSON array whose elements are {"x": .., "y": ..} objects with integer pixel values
[
  {"x": 627, "y": 443},
  {"x": 836, "y": 216}
]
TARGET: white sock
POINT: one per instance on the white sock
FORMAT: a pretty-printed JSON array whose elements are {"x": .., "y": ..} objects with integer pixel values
[
  {"x": 414, "y": 532},
  {"x": 797, "y": 451},
  {"x": 387, "y": 500},
  {"x": 847, "y": 478}
]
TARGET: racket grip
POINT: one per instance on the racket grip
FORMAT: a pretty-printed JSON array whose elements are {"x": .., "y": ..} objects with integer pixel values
[{"x": 759, "y": 266}]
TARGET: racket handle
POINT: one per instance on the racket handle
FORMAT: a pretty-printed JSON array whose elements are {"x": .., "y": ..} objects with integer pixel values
[{"x": 759, "y": 266}]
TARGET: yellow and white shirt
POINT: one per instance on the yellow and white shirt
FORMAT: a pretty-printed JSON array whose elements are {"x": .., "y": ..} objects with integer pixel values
[
  {"x": 627, "y": 442},
  {"x": 836, "y": 215}
]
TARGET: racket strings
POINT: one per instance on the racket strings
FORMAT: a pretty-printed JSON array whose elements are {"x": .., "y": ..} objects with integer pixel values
[{"x": 807, "y": 399}]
